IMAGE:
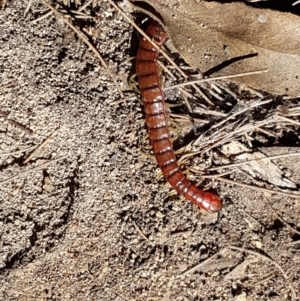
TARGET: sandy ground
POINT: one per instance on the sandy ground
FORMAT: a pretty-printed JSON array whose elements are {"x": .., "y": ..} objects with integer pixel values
[{"x": 96, "y": 221}]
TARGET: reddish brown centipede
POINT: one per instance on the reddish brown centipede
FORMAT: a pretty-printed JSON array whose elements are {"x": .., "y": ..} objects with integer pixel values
[{"x": 156, "y": 120}]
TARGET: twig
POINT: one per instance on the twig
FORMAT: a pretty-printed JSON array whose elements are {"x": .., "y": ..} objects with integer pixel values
[
  {"x": 227, "y": 90},
  {"x": 38, "y": 148},
  {"x": 290, "y": 194},
  {"x": 209, "y": 112},
  {"x": 84, "y": 6},
  {"x": 6, "y": 85},
  {"x": 117, "y": 8},
  {"x": 85, "y": 40},
  {"x": 257, "y": 254},
  {"x": 45, "y": 16},
  {"x": 141, "y": 233},
  {"x": 281, "y": 219},
  {"x": 198, "y": 266},
  {"x": 19, "y": 125},
  {"x": 16, "y": 123},
  {"x": 123, "y": 100},
  {"x": 159, "y": 49},
  {"x": 268, "y": 133},
  {"x": 252, "y": 160},
  {"x": 223, "y": 137},
  {"x": 28, "y": 7},
  {"x": 31, "y": 170},
  {"x": 225, "y": 173},
  {"x": 243, "y": 110},
  {"x": 282, "y": 118},
  {"x": 18, "y": 151},
  {"x": 203, "y": 80}
]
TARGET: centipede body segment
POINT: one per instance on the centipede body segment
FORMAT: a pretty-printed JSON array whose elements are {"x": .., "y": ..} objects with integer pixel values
[{"x": 156, "y": 121}]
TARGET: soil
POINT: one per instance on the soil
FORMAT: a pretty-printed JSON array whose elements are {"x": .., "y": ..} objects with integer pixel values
[{"x": 89, "y": 217}]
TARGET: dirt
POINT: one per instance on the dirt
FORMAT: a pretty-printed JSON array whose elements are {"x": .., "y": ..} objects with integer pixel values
[{"x": 89, "y": 217}]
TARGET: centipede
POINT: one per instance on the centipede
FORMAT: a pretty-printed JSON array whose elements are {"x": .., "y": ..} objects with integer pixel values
[{"x": 152, "y": 95}]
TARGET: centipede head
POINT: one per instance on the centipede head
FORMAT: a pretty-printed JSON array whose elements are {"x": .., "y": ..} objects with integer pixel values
[{"x": 157, "y": 33}]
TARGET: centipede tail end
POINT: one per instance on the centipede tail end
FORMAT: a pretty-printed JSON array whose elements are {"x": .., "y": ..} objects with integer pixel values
[{"x": 209, "y": 202}]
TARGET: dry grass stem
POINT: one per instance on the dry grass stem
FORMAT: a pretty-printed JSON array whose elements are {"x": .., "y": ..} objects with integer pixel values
[
  {"x": 204, "y": 80},
  {"x": 97, "y": 211},
  {"x": 253, "y": 160},
  {"x": 22, "y": 173},
  {"x": 231, "y": 131},
  {"x": 117, "y": 8},
  {"x": 293, "y": 112},
  {"x": 160, "y": 50},
  {"x": 225, "y": 173},
  {"x": 12, "y": 153},
  {"x": 244, "y": 108},
  {"x": 187, "y": 103},
  {"x": 282, "y": 118},
  {"x": 122, "y": 101},
  {"x": 45, "y": 16},
  {"x": 27, "y": 8},
  {"x": 281, "y": 219},
  {"x": 226, "y": 89},
  {"x": 86, "y": 41},
  {"x": 35, "y": 152},
  {"x": 84, "y": 6},
  {"x": 183, "y": 91},
  {"x": 6, "y": 85},
  {"x": 215, "y": 94},
  {"x": 140, "y": 232},
  {"x": 223, "y": 137},
  {"x": 268, "y": 133},
  {"x": 256, "y": 254},
  {"x": 271, "y": 191},
  {"x": 200, "y": 265},
  {"x": 202, "y": 111},
  {"x": 16, "y": 123}
]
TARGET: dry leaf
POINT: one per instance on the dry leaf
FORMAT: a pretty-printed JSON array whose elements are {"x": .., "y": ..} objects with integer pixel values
[
  {"x": 210, "y": 34},
  {"x": 263, "y": 169}
]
